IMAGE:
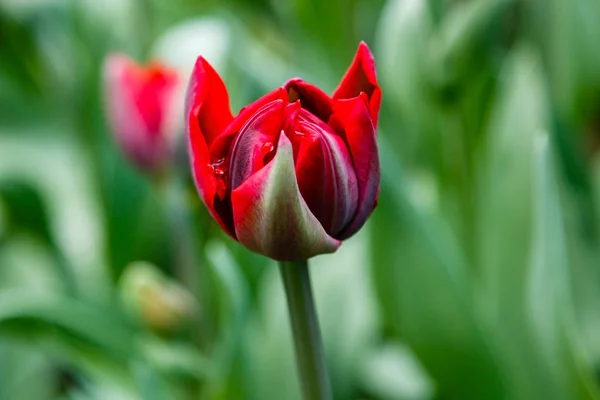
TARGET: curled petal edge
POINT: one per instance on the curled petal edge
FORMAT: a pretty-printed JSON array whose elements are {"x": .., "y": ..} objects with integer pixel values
[
  {"x": 352, "y": 117},
  {"x": 313, "y": 99}
]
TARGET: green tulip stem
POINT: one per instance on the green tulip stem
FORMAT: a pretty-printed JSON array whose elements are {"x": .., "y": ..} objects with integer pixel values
[{"x": 305, "y": 327}]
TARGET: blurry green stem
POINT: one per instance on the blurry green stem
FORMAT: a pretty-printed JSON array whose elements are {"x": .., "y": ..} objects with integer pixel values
[{"x": 305, "y": 327}]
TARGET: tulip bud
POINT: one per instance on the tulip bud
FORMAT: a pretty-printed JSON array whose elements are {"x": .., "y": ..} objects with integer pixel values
[
  {"x": 141, "y": 102},
  {"x": 158, "y": 301},
  {"x": 297, "y": 171}
]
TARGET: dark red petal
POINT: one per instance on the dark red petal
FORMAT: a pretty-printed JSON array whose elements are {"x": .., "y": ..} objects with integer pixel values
[
  {"x": 311, "y": 97},
  {"x": 256, "y": 142},
  {"x": 204, "y": 176},
  {"x": 271, "y": 217},
  {"x": 220, "y": 147},
  {"x": 325, "y": 174},
  {"x": 207, "y": 99},
  {"x": 361, "y": 77},
  {"x": 353, "y": 118},
  {"x": 207, "y": 114}
]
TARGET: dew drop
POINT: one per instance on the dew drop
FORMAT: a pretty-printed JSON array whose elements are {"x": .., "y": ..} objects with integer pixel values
[
  {"x": 219, "y": 170},
  {"x": 267, "y": 151},
  {"x": 266, "y": 148}
]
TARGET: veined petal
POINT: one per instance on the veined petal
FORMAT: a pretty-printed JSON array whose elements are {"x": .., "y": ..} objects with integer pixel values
[
  {"x": 271, "y": 217},
  {"x": 255, "y": 143},
  {"x": 220, "y": 146},
  {"x": 208, "y": 100},
  {"x": 352, "y": 118},
  {"x": 361, "y": 77},
  {"x": 325, "y": 173}
]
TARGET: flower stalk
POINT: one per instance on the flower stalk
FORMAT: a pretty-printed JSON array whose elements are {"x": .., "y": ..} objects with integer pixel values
[{"x": 305, "y": 327}]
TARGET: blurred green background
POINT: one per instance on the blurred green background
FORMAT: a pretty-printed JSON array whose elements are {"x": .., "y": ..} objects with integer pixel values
[{"x": 477, "y": 277}]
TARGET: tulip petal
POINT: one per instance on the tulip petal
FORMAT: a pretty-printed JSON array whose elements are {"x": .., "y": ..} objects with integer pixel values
[
  {"x": 207, "y": 113},
  {"x": 208, "y": 100},
  {"x": 271, "y": 217},
  {"x": 205, "y": 178},
  {"x": 353, "y": 119},
  {"x": 325, "y": 173},
  {"x": 255, "y": 143},
  {"x": 139, "y": 104},
  {"x": 311, "y": 97},
  {"x": 220, "y": 146},
  {"x": 125, "y": 119},
  {"x": 361, "y": 77}
]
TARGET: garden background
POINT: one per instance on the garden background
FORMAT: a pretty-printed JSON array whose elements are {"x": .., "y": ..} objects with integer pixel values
[{"x": 477, "y": 277}]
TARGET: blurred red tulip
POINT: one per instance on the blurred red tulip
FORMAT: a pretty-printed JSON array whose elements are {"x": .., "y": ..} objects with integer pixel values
[
  {"x": 142, "y": 110},
  {"x": 296, "y": 171}
]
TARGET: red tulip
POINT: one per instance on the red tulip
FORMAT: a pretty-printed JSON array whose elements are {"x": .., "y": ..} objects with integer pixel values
[
  {"x": 297, "y": 171},
  {"x": 141, "y": 105}
]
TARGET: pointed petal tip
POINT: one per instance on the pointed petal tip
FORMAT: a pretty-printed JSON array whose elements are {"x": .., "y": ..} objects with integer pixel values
[
  {"x": 363, "y": 47},
  {"x": 207, "y": 98},
  {"x": 361, "y": 76}
]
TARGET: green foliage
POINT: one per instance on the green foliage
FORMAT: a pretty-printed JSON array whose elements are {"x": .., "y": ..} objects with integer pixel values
[{"x": 477, "y": 277}]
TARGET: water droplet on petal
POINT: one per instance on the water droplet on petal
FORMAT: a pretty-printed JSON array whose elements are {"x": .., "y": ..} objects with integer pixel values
[
  {"x": 267, "y": 150},
  {"x": 219, "y": 170}
]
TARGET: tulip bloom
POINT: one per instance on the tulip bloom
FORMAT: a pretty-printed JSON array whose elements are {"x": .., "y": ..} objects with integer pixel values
[
  {"x": 142, "y": 110},
  {"x": 297, "y": 171}
]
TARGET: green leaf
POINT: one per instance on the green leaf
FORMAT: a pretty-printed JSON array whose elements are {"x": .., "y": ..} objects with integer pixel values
[
  {"x": 505, "y": 214},
  {"x": 72, "y": 211},
  {"x": 568, "y": 33},
  {"x": 19, "y": 366},
  {"x": 391, "y": 372},
  {"x": 549, "y": 288},
  {"x": 426, "y": 294},
  {"x": 467, "y": 36},
  {"x": 233, "y": 299},
  {"x": 505, "y": 183},
  {"x": 91, "y": 325},
  {"x": 150, "y": 384},
  {"x": 516, "y": 202},
  {"x": 403, "y": 61}
]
